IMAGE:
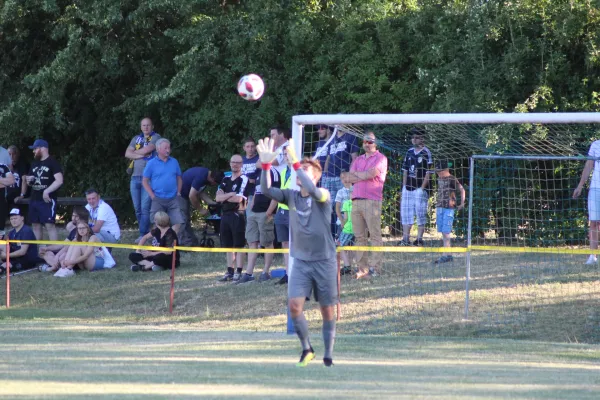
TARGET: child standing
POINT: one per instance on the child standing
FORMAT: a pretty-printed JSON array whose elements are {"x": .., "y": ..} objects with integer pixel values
[
  {"x": 346, "y": 238},
  {"x": 447, "y": 184}
]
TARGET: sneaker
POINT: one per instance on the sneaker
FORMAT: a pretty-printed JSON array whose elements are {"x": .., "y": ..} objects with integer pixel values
[
  {"x": 444, "y": 259},
  {"x": 44, "y": 268},
  {"x": 306, "y": 357},
  {"x": 403, "y": 243},
  {"x": 592, "y": 259},
  {"x": 263, "y": 277},
  {"x": 347, "y": 270},
  {"x": 373, "y": 273},
  {"x": 156, "y": 268},
  {"x": 328, "y": 362},
  {"x": 418, "y": 242},
  {"x": 283, "y": 280},
  {"x": 226, "y": 278},
  {"x": 236, "y": 277},
  {"x": 362, "y": 274},
  {"x": 64, "y": 273},
  {"x": 245, "y": 279},
  {"x": 135, "y": 268}
]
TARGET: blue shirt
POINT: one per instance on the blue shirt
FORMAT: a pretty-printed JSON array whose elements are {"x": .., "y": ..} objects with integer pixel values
[
  {"x": 163, "y": 176},
  {"x": 340, "y": 154},
  {"x": 24, "y": 234},
  {"x": 323, "y": 152},
  {"x": 195, "y": 177}
]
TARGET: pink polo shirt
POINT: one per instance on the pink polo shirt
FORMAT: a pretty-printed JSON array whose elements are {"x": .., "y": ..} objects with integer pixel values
[{"x": 371, "y": 189}]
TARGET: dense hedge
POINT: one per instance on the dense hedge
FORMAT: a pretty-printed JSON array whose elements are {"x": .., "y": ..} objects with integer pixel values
[{"x": 83, "y": 73}]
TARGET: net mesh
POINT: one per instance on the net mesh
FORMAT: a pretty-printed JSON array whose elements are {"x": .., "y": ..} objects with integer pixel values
[{"x": 522, "y": 199}]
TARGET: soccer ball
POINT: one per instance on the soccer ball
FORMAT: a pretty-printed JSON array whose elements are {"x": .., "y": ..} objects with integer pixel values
[{"x": 251, "y": 87}]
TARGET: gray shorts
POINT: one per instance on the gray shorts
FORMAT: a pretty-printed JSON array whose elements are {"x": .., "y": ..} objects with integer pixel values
[
  {"x": 171, "y": 206},
  {"x": 318, "y": 276},
  {"x": 282, "y": 225},
  {"x": 258, "y": 229}
]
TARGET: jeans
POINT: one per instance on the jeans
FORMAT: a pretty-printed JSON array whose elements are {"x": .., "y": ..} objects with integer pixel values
[{"x": 141, "y": 204}]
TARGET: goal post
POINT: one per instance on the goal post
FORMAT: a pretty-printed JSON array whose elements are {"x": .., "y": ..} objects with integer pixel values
[{"x": 520, "y": 235}]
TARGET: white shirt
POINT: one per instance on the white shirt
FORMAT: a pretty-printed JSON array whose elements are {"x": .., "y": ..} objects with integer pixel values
[
  {"x": 5, "y": 157},
  {"x": 281, "y": 158},
  {"x": 595, "y": 152},
  {"x": 105, "y": 213}
]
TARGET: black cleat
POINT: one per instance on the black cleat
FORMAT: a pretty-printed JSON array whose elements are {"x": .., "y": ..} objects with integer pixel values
[
  {"x": 283, "y": 280},
  {"x": 306, "y": 357},
  {"x": 328, "y": 362}
]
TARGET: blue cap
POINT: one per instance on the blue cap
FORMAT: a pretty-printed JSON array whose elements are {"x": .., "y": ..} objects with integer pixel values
[{"x": 39, "y": 143}]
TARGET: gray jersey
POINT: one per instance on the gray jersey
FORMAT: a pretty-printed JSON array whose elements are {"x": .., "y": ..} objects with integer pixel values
[{"x": 310, "y": 227}]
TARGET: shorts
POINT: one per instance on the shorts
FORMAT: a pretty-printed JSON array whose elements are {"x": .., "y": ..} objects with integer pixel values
[
  {"x": 99, "y": 264},
  {"x": 346, "y": 239},
  {"x": 233, "y": 230},
  {"x": 282, "y": 225},
  {"x": 319, "y": 277},
  {"x": 41, "y": 212},
  {"x": 444, "y": 217},
  {"x": 412, "y": 204},
  {"x": 259, "y": 230},
  {"x": 594, "y": 205},
  {"x": 171, "y": 206}
]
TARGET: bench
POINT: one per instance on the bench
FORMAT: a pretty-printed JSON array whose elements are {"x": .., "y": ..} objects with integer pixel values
[{"x": 71, "y": 201}]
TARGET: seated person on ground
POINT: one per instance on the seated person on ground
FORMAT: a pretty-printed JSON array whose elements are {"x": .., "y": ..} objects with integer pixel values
[
  {"x": 102, "y": 218},
  {"x": 56, "y": 253},
  {"x": 91, "y": 258},
  {"x": 22, "y": 255},
  {"x": 160, "y": 236}
]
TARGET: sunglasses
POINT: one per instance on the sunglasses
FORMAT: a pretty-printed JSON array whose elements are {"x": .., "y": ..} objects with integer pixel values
[{"x": 368, "y": 141}]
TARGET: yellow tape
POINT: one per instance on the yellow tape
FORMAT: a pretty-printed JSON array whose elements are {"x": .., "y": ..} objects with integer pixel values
[
  {"x": 390, "y": 249},
  {"x": 95, "y": 244},
  {"x": 551, "y": 250}
]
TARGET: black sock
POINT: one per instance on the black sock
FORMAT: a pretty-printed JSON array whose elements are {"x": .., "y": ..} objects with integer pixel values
[
  {"x": 230, "y": 270},
  {"x": 328, "y": 337},
  {"x": 301, "y": 327},
  {"x": 239, "y": 270}
]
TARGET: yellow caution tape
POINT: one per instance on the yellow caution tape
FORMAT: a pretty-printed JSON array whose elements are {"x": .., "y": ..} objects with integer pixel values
[{"x": 549, "y": 250}]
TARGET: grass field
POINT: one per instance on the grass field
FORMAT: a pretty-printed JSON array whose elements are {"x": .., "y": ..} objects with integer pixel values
[{"x": 109, "y": 334}]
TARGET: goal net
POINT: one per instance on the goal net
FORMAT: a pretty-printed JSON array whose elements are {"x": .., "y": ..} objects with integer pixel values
[{"x": 519, "y": 247}]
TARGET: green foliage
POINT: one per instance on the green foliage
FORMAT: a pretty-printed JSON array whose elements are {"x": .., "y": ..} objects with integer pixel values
[{"x": 83, "y": 73}]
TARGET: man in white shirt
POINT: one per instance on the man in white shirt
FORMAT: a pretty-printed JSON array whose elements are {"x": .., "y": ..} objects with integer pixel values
[
  {"x": 102, "y": 218},
  {"x": 593, "y": 197}
]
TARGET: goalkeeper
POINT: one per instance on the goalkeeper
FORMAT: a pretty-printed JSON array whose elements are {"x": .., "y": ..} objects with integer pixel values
[{"x": 311, "y": 245}]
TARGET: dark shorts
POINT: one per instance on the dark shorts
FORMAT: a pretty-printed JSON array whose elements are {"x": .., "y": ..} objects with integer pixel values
[
  {"x": 282, "y": 225},
  {"x": 319, "y": 277},
  {"x": 41, "y": 212},
  {"x": 233, "y": 230}
]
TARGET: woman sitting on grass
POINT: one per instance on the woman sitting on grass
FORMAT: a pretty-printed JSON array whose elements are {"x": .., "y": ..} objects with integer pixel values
[
  {"x": 84, "y": 257},
  {"x": 161, "y": 236}
]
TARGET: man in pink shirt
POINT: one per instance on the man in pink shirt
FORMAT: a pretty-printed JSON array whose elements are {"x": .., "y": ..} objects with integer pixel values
[{"x": 367, "y": 173}]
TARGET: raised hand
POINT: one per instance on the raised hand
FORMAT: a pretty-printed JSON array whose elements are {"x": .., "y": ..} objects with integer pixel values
[
  {"x": 291, "y": 153},
  {"x": 265, "y": 150}
]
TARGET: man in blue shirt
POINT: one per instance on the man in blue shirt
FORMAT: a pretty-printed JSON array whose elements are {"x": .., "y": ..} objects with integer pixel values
[
  {"x": 162, "y": 181},
  {"x": 195, "y": 181},
  {"x": 22, "y": 255}
]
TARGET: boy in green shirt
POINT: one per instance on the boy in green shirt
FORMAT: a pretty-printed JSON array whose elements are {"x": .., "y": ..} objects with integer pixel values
[{"x": 346, "y": 238}]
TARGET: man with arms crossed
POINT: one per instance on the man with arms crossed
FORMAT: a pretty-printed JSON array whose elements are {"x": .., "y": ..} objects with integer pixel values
[{"x": 312, "y": 246}]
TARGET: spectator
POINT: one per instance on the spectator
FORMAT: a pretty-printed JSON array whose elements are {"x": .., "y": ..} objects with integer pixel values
[
  {"x": 103, "y": 220},
  {"x": 593, "y": 197},
  {"x": 161, "y": 236},
  {"x": 281, "y": 136},
  {"x": 282, "y": 218},
  {"x": 22, "y": 255},
  {"x": 322, "y": 152},
  {"x": 343, "y": 205},
  {"x": 260, "y": 229},
  {"x": 4, "y": 156},
  {"x": 250, "y": 159},
  {"x": 45, "y": 178},
  {"x": 194, "y": 181},
  {"x": 233, "y": 193},
  {"x": 162, "y": 180},
  {"x": 368, "y": 175},
  {"x": 416, "y": 170},
  {"x": 447, "y": 185},
  {"x": 19, "y": 169},
  {"x": 343, "y": 150},
  {"x": 54, "y": 254},
  {"x": 91, "y": 258},
  {"x": 6, "y": 180},
  {"x": 141, "y": 149}
]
